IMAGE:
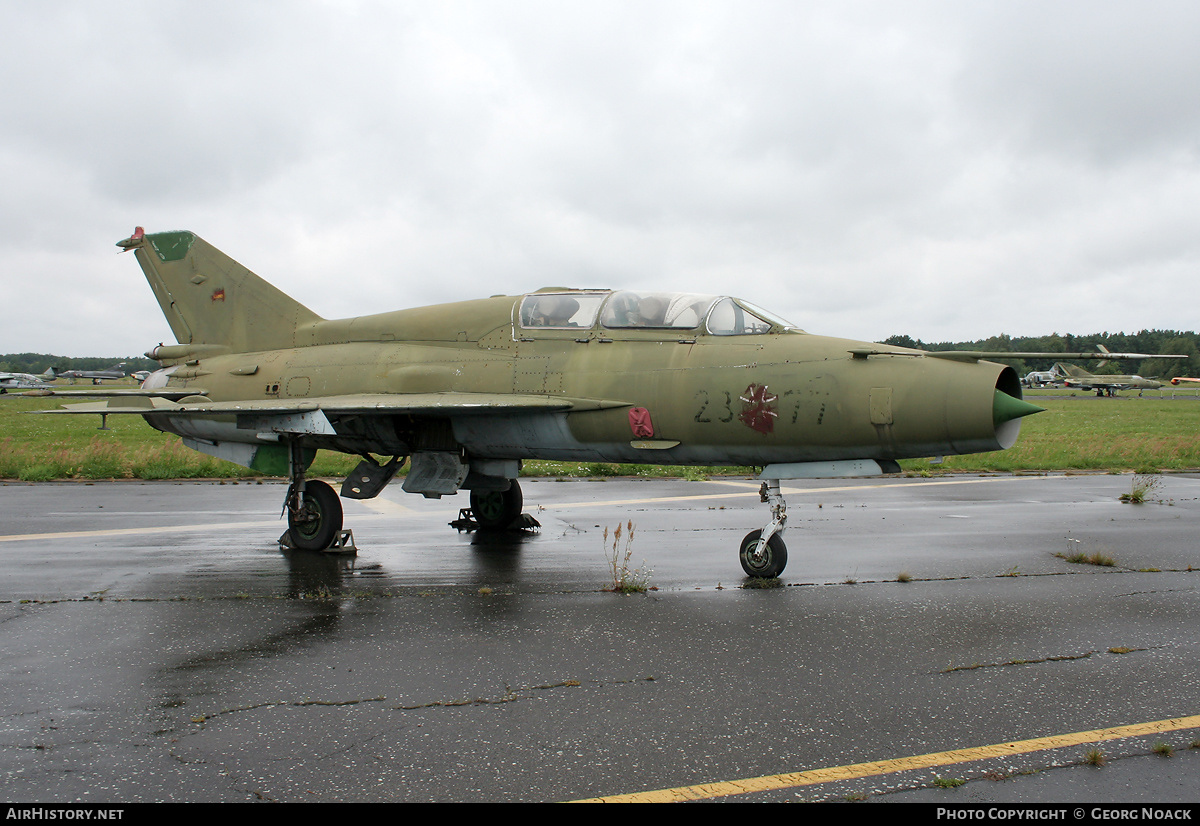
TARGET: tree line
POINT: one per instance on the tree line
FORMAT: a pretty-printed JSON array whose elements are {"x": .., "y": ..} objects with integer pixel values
[
  {"x": 39, "y": 362},
  {"x": 1146, "y": 341}
]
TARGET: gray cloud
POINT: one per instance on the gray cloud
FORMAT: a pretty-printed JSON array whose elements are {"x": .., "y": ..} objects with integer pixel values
[{"x": 945, "y": 170}]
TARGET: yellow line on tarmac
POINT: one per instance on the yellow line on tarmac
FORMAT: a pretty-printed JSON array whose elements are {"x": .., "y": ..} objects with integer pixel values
[{"x": 900, "y": 764}]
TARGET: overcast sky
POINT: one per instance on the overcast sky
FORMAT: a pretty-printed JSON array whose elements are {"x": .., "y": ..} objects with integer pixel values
[{"x": 946, "y": 170}]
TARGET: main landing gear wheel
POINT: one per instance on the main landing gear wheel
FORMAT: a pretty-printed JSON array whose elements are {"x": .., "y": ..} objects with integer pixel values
[
  {"x": 495, "y": 510},
  {"x": 770, "y": 562},
  {"x": 318, "y": 521}
]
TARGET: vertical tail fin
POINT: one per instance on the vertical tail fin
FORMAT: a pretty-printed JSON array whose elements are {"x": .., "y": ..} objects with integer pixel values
[
  {"x": 208, "y": 298},
  {"x": 1070, "y": 370}
]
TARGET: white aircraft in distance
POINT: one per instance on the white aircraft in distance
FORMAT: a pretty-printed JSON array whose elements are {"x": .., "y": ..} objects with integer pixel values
[{"x": 1041, "y": 378}]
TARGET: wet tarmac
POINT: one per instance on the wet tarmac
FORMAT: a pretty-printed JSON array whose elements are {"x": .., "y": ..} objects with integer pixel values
[{"x": 159, "y": 646}]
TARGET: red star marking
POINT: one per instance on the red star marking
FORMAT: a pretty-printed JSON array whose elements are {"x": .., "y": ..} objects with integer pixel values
[
  {"x": 640, "y": 424},
  {"x": 758, "y": 409}
]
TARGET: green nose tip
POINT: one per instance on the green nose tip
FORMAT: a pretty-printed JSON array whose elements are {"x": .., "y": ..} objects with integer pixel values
[{"x": 1005, "y": 408}]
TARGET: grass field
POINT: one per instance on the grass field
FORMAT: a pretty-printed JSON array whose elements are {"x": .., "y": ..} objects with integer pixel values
[
  {"x": 1086, "y": 433},
  {"x": 1149, "y": 434}
]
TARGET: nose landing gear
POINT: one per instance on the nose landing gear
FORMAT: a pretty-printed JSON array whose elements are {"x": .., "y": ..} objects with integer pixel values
[{"x": 763, "y": 553}]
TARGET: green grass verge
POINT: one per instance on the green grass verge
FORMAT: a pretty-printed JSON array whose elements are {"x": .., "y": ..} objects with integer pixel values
[{"x": 1122, "y": 434}]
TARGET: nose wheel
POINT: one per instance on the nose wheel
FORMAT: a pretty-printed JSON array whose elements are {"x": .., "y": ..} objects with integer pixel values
[
  {"x": 763, "y": 553},
  {"x": 763, "y": 559}
]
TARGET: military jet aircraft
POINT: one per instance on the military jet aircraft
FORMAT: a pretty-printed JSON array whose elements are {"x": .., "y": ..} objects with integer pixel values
[
  {"x": 465, "y": 391},
  {"x": 25, "y": 381},
  {"x": 1041, "y": 378},
  {"x": 1074, "y": 376},
  {"x": 116, "y": 371},
  {"x": 1178, "y": 379}
]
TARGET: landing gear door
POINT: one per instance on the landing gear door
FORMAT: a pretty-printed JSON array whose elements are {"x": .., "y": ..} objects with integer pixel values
[{"x": 434, "y": 474}]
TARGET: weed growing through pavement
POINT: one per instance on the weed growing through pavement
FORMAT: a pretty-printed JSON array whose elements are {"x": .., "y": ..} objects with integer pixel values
[
  {"x": 1077, "y": 556},
  {"x": 1095, "y": 558},
  {"x": 948, "y": 782},
  {"x": 1143, "y": 487},
  {"x": 625, "y": 579}
]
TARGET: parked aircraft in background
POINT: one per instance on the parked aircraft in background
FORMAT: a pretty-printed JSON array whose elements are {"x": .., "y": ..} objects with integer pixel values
[
  {"x": 117, "y": 371},
  {"x": 1073, "y": 376},
  {"x": 466, "y": 391},
  {"x": 1042, "y": 378},
  {"x": 25, "y": 381}
]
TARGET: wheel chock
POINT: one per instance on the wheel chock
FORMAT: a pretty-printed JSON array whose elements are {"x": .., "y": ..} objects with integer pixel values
[
  {"x": 466, "y": 522},
  {"x": 343, "y": 543}
]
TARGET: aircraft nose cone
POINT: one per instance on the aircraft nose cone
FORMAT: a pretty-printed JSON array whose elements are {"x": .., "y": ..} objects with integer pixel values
[{"x": 1005, "y": 408}]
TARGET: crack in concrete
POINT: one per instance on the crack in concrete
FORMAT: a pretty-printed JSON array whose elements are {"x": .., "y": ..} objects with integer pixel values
[
  {"x": 203, "y": 718},
  {"x": 1052, "y": 659}
]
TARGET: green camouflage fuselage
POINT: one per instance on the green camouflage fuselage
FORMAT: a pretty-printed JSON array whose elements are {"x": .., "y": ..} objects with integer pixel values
[{"x": 780, "y": 396}]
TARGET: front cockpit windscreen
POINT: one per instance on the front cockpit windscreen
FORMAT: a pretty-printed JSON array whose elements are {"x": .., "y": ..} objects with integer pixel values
[
  {"x": 728, "y": 318},
  {"x": 678, "y": 311},
  {"x": 738, "y": 318}
]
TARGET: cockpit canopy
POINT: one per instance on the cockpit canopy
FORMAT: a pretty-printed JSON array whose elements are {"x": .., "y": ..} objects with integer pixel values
[
  {"x": 561, "y": 310},
  {"x": 631, "y": 309}
]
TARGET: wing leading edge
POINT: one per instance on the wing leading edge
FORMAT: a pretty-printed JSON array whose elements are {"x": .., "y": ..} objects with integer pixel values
[{"x": 381, "y": 403}]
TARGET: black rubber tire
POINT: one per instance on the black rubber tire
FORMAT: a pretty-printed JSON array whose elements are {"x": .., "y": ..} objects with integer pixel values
[
  {"x": 774, "y": 560},
  {"x": 318, "y": 525},
  {"x": 495, "y": 510}
]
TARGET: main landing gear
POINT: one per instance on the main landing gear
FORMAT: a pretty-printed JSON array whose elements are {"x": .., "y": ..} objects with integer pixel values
[
  {"x": 314, "y": 515},
  {"x": 763, "y": 553},
  {"x": 496, "y": 510},
  {"x": 314, "y": 512}
]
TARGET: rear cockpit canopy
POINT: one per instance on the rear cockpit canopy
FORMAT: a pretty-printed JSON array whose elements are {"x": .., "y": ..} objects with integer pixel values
[
  {"x": 561, "y": 310},
  {"x": 631, "y": 309}
]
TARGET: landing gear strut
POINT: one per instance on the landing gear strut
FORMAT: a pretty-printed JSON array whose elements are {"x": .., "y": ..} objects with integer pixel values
[
  {"x": 314, "y": 511},
  {"x": 763, "y": 552}
]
